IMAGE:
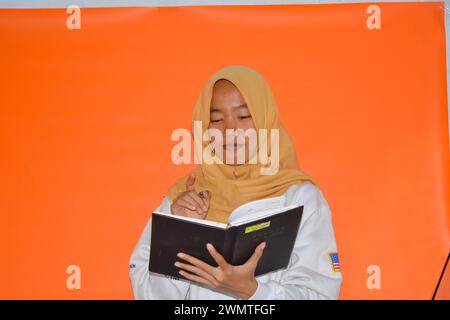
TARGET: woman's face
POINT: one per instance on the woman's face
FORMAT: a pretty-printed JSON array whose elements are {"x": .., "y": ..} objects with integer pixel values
[{"x": 229, "y": 111}]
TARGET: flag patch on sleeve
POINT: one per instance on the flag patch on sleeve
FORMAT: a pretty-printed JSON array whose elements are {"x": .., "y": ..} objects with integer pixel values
[{"x": 334, "y": 260}]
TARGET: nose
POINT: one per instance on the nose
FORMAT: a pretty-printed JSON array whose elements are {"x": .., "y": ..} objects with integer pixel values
[{"x": 229, "y": 124}]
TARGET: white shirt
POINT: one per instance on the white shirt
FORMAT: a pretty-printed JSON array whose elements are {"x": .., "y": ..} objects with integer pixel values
[{"x": 309, "y": 275}]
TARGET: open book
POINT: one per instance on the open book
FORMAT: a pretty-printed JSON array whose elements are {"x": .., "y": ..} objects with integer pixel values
[{"x": 248, "y": 225}]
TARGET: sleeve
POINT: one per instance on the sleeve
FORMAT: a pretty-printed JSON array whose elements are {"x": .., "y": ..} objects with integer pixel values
[
  {"x": 313, "y": 271},
  {"x": 148, "y": 285}
]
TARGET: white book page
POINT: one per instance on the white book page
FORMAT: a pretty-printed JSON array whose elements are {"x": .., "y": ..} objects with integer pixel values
[
  {"x": 248, "y": 210},
  {"x": 201, "y": 221},
  {"x": 261, "y": 214}
]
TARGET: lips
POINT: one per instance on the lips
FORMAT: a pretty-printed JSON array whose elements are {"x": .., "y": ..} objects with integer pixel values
[{"x": 232, "y": 146}]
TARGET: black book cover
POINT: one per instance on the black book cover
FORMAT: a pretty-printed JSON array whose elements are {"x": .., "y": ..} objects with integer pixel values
[{"x": 171, "y": 235}]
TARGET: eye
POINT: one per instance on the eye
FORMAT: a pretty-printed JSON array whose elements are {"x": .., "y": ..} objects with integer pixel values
[
  {"x": 245, "y": 117},
  {"x": 215, "y": 121}
]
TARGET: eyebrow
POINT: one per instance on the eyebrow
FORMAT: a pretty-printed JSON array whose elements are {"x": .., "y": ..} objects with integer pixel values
[{"x": 214, "y": 109}]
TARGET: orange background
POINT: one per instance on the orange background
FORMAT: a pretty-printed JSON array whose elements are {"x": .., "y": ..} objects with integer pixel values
[{"x": 86, "y": 117}]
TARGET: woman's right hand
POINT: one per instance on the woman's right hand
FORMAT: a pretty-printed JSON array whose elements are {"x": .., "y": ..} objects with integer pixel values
[{"x": 189, "y": 203}]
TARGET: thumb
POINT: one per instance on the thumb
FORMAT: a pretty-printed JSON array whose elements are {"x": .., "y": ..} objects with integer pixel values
[
  {"x": 207, "y": 197},
  {"x": 254, "y": 259},
  {"x": 207, "y": 194},
  {"x": 190, "y": 182}
]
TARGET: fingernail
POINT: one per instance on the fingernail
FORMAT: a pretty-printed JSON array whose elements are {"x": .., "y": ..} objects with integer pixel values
[
  {"x": 180, "y": 255},
  {"x": 177, "y": 264},
  {"x": 263, "y": 246}
]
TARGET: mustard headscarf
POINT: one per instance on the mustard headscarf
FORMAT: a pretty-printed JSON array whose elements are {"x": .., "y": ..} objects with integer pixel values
[{"x": 234, "y": 185}]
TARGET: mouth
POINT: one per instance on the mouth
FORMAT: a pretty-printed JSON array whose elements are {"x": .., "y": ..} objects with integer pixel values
[{"x": 234, "y": 146}]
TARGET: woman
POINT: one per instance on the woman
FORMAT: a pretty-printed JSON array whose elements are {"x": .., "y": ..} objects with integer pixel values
[{"x": 238, "y": 97}]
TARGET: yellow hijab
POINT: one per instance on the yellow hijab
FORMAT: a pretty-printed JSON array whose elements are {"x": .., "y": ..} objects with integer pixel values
[{"x": 234, "y": 185}]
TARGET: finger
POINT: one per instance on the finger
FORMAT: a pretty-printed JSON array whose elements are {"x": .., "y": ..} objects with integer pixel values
[
  {"x": 190, "y": 182},
  {"x": 256, "y": 255},
  {"x": 195, "y": 278},
  {"x": 202, "y": 195},
  {"x": 187, "y": 202},
  {"x": 197, "y": 213},
  {"x": 192, "y": 214},
  {"x": 206, "y": 198},
  {"x": 182, "y": 211},
  {"x": 196, "y": 262},
  {"x": 217, "y": 256},
  {"x": 195, "y": 270},
  {"x": 195, "y": 197}
]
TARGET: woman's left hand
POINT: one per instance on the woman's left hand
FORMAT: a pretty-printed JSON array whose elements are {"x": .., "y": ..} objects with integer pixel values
[{"x": 237, "y": 280}]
